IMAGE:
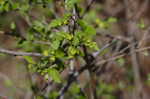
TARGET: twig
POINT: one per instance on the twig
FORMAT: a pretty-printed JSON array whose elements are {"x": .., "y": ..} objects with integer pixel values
[
  {"x": 108, "y": 35},
  {"x": 122, "y": 55},
  {"x": 15, "y": 53},
  {"x": 144, "y": 38},
  {"x": 73, "y": 75},
  {"x": 88, "y": 7},
  {"x": 71, "y": 78},
  {"x": 136, "y": 71},
  {"x": 42, "y": 42},
  {"x": 95, "y": 54}
]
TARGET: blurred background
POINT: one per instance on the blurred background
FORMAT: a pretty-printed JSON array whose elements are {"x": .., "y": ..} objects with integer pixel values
[{"x": 112, "y": 19}]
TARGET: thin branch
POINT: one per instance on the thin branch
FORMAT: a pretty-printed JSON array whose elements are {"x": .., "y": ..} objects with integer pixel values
[
  {"x": 144, "y": 38},
  {"x": 108, "y": 35},
  {"x": 71, "y": 78},
  {"x": 122, "y": 55},
  {"x": 136, "y": 71},
  {"x": 42, "y": 42},
  {"x": 95, "y": 54},
  {"x": 88, "y": 7},
  {"x": 15, "y": 53}
]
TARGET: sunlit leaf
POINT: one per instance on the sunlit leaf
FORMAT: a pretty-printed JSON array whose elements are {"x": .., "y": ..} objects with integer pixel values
[
  {"x": 54, "y": 74},
  {"x": 29, "y": 59}
]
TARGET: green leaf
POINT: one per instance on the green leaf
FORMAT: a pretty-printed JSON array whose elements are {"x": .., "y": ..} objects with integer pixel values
[
  {"x": 6, "y": 7},
  {"x": 112, "y": 20},
  {"x": 1, "y": 1},
  {"x": 121, "y": 61},
  {"x": 102, "y": 24},
  {"x": 67, "y": 15},
  {"x": 90, "y": 31},
  {"x": 72, "y": 51},
  {"x": 15, "y": 5},
  {"x": 60, "y": 21},
  {"x": 87, "y": 30},
  {"x": 70, "y": 3},
  {"x": 55, "y": 75},
  {"x": 67, "y": 36},
  {"x": 29, "y": 59},
  {"x": 82, "y": 23},
  {"x": 12, "y": 25},
  {"x": 76, "y": 41},
  {"x": 53, "y": 94},
  {"x": 59, "y": 54},
  {"x": 79, "y": 35},
  {"x": 141, "y": 24},
  {"x": 55, "y": 23},
  {"x": 75, "y": 89},
  {"x": 55, "y": 44},
  {"x": 24, "y": 7},
  {"x": 8, "y": 82},
  {"x": 38, "y": 26},
  {"x": 45, "y": 52},
  {"x": 91, "y": 44},
  {"x": 90, "y": 16},
  {"x": 52, "y": 58}
]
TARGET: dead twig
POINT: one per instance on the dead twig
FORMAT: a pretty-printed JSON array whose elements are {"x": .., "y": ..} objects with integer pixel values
[
  {"x": 122, "y": 55},
  {"x": 136, "y": 71},
  {"x": 15, "y": 53}
]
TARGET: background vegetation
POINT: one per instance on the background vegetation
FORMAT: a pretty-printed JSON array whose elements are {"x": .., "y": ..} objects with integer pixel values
[{"x": 74, "y": 49}]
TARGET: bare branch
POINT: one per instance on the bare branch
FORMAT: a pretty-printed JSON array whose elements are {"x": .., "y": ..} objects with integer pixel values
[
  {"x": 109, "y": 35},
  {"x": 122, "y": 55},
  {"x": 15, "y": 53},
  {"x": 90, "y": 3},
  {"x": 42, "y": 42},
  {"x": 136, "y": 71}
]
